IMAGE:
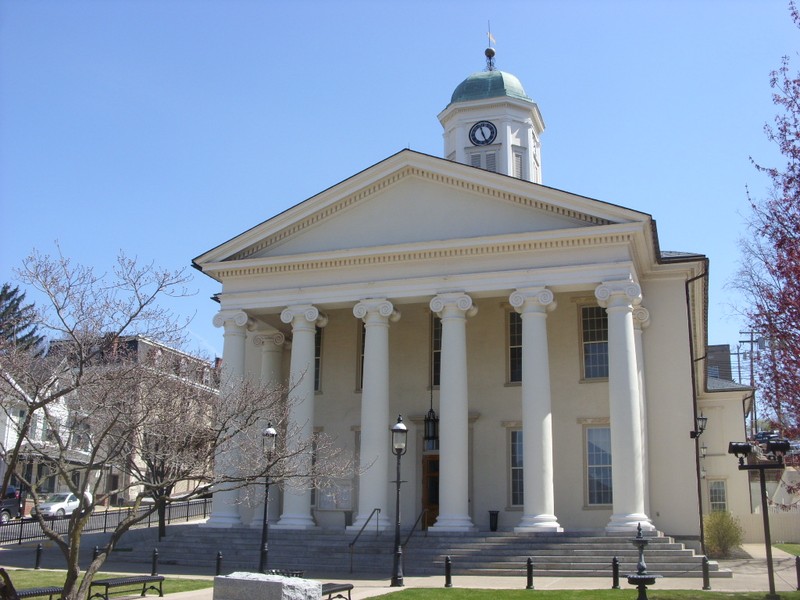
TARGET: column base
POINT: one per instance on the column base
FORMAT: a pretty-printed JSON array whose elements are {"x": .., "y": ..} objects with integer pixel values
[
  {"x": 295, "y": 522},
  {"x": 447, "y": 523},
  {"x": 223, "y": 521},
  {"x": 629, "y": 523},
  {"x": 538, "y": 524}
]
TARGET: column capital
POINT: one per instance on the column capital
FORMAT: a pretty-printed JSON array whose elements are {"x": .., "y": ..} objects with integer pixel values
[
  {"x": 641, "y": 317},
  {"x": 376, "y": 306},
  {"x": 457, "y": 300},
  {"x": 233, "y": 317},
  {"x": 307, "y": 312},
  {"x": 612, "y": 294},
  {"x": 535, "y": 299},
  {"x": 268, "y": 339}
]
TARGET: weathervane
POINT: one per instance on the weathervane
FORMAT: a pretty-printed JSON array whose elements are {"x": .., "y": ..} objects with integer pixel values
[{"x": 490, "y": 50}]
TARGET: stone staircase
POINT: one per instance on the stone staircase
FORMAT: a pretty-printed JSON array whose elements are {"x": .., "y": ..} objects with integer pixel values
[{"x": 327, "y": 553}]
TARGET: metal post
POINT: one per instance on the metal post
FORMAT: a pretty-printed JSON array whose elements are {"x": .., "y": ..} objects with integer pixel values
[
  {"x": 706, "y": 578},
  {"x": 154, "y": 570},
  {"x": 615, "y": 573},
  {"x": 448, "y": 572},
  {"x": 397, "y": 570},
  {"x": 39, "y": 550},
  {"x": 797, "y": 570},
  {"x": 95, "y": 553},
  {"x": 529, "y": 570},
  {"x": 219, "y": 563},
  {"x": 262, "y": 562},
  {"x": 767, "y": 536}
]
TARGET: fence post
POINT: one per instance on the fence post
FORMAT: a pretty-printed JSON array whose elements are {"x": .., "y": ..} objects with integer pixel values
[
  {"x": 219, "y": 564},
  {"x": 706, "y": 579},
  {"x": 529, "y": 585},
  {"x": 105, "y": 521},
  {"x": 615, "y": 573},
  {"x": 188, "y": 506},
  {"x": 39, "y": 550},
  {"x": 154, "y": 570},
  {"x": 797, "y": 569},
  {"x": 448, "y": 572}
]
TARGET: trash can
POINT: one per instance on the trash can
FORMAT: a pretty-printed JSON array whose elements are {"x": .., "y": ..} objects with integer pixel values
[{"x": 493, "y": 519}]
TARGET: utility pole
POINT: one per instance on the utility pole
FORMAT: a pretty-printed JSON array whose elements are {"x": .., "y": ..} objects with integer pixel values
[{"x": 752, "y": 341}]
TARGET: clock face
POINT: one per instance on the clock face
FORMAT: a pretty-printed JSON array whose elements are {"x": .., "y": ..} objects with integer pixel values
[{"x": 482, "y": 133}]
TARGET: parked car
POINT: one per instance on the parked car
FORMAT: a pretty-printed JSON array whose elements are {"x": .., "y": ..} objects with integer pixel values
[
  {"x": 762, "y": 437},
  {"x": 58, "y": 505},
  {"x": 10, "y": 505}
]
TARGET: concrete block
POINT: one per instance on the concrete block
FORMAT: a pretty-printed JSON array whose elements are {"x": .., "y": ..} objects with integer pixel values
[{"x": 257, "y": 586}]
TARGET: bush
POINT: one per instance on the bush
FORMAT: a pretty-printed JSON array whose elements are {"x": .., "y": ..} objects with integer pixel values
[{"x": 722, "y": 532}]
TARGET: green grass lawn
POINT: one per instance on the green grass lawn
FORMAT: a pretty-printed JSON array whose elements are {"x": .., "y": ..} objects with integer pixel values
[
  {"x": 629, "y": 593},
  {"x": 28, "y": 578},
  {"x": 790, "y": 548}
]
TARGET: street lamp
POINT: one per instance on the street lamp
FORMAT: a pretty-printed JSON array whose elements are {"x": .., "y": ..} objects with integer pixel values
[
  {"x": 699, "y": 426},
  {"x": 268, "y": 439},
  {"x": 399, "y": 438},
  {"x": 775, "y": 451}
]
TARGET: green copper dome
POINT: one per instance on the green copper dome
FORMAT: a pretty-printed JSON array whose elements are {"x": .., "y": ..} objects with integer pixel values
[{"x": 489, "y": 84}]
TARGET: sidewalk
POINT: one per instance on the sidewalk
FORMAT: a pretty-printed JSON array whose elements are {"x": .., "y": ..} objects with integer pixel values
[{"x": 749, "y": 575}]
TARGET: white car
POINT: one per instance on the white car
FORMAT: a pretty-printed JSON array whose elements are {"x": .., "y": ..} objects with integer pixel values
[{"x": 59, "y": 505}]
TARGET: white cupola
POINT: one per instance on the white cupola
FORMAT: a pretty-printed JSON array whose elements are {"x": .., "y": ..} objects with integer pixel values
[{"x": 492, "y": 124}]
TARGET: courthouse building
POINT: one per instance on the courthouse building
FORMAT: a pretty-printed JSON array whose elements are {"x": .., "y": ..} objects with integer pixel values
[{"x": 559, "y": 346}]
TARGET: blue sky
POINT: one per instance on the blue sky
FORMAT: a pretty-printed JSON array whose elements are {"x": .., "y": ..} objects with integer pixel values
[{"x": 165, "y": 128}]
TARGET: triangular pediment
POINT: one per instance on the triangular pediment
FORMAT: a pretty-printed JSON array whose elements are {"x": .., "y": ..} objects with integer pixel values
[{"x": 412, "y": 198}]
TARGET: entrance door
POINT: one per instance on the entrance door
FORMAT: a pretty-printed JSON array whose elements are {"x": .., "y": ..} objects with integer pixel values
[{"x": 430, "y": 488}]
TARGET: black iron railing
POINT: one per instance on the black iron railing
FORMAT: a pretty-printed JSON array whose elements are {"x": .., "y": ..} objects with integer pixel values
[{"x": 27, "y": 529}]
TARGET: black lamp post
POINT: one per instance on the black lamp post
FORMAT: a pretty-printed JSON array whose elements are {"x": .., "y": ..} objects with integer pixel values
[
  {"x": 268, "y": 440},
  {"x": 775, "y": 451},
  {"x": 399, "y": 438}
]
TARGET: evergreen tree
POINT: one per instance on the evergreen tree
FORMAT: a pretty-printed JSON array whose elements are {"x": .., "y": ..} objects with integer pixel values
[{"x": 17, "y": 325}]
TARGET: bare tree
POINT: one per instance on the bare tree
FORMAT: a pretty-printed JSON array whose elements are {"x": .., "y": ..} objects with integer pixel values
[{"x": 93, "y": 403}]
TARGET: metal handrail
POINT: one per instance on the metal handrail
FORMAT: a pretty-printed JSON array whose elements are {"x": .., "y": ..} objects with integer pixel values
[
  {"x": 360, "y": 531},
  {"x": 419, "y": 518}
]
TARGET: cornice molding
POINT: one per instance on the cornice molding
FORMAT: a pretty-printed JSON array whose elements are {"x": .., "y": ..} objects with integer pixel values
[{"x": 456, "y": 249}]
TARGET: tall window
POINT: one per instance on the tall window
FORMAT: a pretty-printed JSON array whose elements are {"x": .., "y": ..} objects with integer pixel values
[
  {"x": 717, "y": 495},
  {"x": 598, "y": 466},
  {"x": 517, "y": 491},
  {"x": 594, "y": 337},
  {"x": 317, "y": 359},
  {"x": 436, "y": 350},
  {"x": 514, "y": 346}
]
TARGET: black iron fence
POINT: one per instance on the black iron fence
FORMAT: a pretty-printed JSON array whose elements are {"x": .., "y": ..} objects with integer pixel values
[{"x": 27, "y": 529}]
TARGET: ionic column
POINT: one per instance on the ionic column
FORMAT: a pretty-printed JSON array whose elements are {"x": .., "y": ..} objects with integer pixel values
[
  {"x": 304, "y": 320},
  {"x": 225, "y": 512},
  {"x": 641, "y": 320},
  {"x": 537, "y": 426},
  {"x": 627, "y": 476},
  {"x": 375, "y": 442},
  {"x": 453, "y": 309},
  {"x": 271, "y": 345}
]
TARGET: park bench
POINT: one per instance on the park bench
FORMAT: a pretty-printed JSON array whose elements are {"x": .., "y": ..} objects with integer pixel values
[
  {"x": 8, "y": 592},
  {"x": 330, "y": 589},
  {"x": 148, "y": 582},
  {"x": 53, "y": 593}
]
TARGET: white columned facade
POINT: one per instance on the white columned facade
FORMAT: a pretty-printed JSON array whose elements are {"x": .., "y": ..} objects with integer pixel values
[
  {"x": 641, "y": 320},
  {"x": 304, "y": 320},
  {"x": 271, "y": 345},
  {"x": 225, "y": 512},
  {"x": 375, "y": 421},
  {"x": 537, "y": 419},
  {"x": 454, "y": 459},
  {"x": 627, "y": 476}
]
